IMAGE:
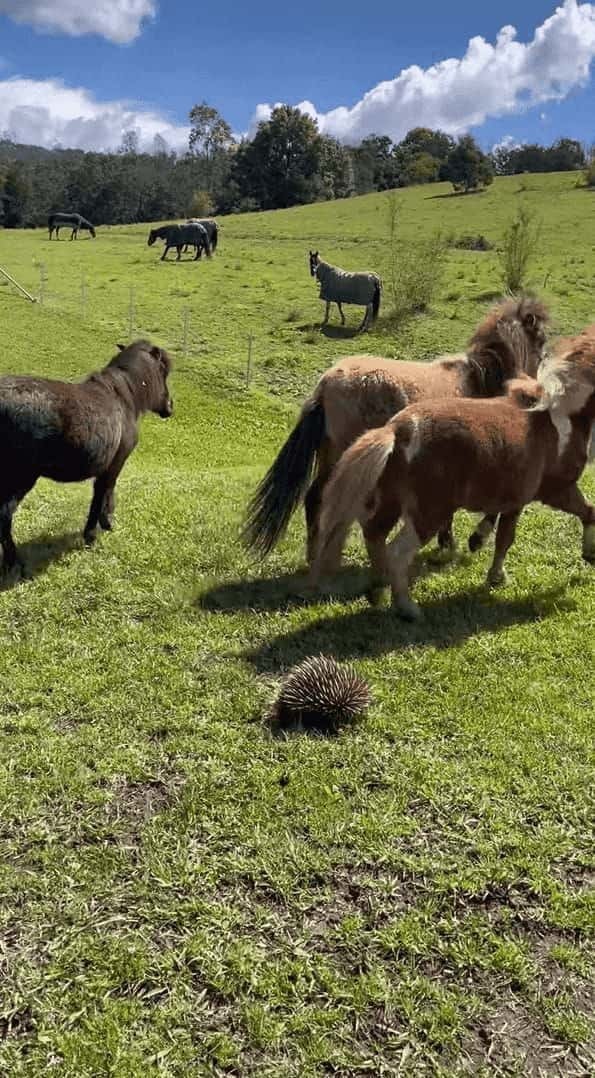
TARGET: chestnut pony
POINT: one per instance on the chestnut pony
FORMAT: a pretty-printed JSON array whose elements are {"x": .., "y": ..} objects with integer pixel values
[
  {"x": 488, "y": 456},
  {"x": 361, "y": 392},
  {"x": 69, "y": 432}
]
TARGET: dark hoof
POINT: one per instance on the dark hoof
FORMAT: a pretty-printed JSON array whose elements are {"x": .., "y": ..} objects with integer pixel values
[
  {"x": 106, "y": 523},
  {"x": 90, "y": 537},
  {"x": 475, "y": 542},
  {"x": 377, "y": 595}
]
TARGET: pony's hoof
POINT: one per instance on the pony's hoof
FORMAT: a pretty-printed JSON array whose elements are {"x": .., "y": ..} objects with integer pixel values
[
  {"x": 407, "y": 609},
  {"x": 106, "y": 523},
  {"x": 90, "y": 537},
  {"x": 496, "y": 578},
  {"x": 475, "y": 542},
  {"x": 589, "y": 543}
]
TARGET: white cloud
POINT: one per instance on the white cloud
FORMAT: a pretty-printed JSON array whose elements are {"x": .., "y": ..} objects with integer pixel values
[
  {"x": 118, "y": 20},
  {"x": 507, "y": 142},
  {"x": 489, "y": 80},
  {"x": 48, "y": 112}
]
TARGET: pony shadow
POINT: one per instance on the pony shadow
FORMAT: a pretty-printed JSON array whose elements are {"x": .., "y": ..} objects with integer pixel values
[
  {"x": 37, "y": 555},
  {"x": 457, "y": 194},
  {"x": 370, "y": 633},
  {"x": 339, "y": 333},
  {"x": 279, "y": 592}
]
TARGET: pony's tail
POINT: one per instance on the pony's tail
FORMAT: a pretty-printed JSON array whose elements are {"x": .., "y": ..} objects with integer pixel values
[
  {"x": 376, "y": 300},
  {"x": 348, "y": 495},
  {"x": 214, "y": 239},
  {"x": 208, "y": 248},
  {"x": 285, "y": 484}
]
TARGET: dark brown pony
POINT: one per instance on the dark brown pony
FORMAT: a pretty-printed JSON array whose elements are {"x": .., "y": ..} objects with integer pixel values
[
  {"x": 69, "y": 432},
  {"x": 487, "y": 456},
  {"x": 361, "y": 392}
]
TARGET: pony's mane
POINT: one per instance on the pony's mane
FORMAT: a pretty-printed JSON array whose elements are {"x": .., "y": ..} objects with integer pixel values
[{"x": 503, "y": 345}]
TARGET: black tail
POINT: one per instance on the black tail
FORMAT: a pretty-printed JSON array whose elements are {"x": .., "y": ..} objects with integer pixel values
[
  {"x": 214, "y": 238},
  {"x": 285, "y": 484},
  {"x": 376, "y": 301}
]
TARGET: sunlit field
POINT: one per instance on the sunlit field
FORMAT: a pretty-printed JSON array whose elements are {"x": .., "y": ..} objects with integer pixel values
[{"x": 182, "y": 893}]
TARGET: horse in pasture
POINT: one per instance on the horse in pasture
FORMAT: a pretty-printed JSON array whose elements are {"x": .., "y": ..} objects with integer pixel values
[
  {"x": 210, "y": 227},
  {"x": 338, "y": 286},
  {"x": 360, "y": 392},
  {"x": 180, "y": 236},
  {"x": 489, "y": 456},
  {"x": 70, "y": 432},
  {"x": 56, "y": 221}
]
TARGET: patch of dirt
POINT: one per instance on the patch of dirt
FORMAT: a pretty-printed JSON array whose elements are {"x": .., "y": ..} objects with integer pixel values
[
  {"x": 513, "y": 1042},
  {"x": 19, "y": 1023}
]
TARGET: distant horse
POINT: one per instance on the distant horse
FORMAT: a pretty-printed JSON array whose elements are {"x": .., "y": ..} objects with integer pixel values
[
  {"x": 488, "y": 456},
  {"x": 338, "y": 286},
  {"x": 211, "y": 228},
  {"x": 179, "y": 236},
  {"x": 360, "y": 392},
  {"x": 56, "y": 221},
  {"x": 70, "y": 432}
]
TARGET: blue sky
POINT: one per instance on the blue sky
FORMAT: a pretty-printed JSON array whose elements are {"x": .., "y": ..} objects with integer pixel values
[{"x": 92, "y": 73}]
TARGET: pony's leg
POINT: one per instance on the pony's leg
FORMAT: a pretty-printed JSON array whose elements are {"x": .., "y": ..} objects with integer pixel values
[
  {"x": 102, "y": 502},
  {"x": 400, "y": 555},
  {"x": 106, "y": 516},
  {"x": 327, "y": 458},
  {"x": 165, "y": 250},
  {"x": 328, "y": 309},
  {"x": 504, "y": 540},
  {"x": 341, "y": 313},
  {"x": 179, "y": 250},
  {"x": 7, "y": 509},
  {"x": 482, "y": 532},
  {"x": 364, "y": 322},
  {"x": 446, "y": 539},
  {"x": 327, "y": 559},
  {"x": 572, "y": 500},
  {"x": 198, "y": 253}
]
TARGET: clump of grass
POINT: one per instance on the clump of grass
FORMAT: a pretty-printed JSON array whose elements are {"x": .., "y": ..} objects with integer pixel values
[
  {"x": 415, "y": 268},
  {"x": 521, "y": 239},
  {"x": 293, "y": 315},
  {"x": 471, "y": 243}
]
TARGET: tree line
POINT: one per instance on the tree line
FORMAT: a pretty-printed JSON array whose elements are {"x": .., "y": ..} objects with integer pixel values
[{"x": 287, "y": 162}]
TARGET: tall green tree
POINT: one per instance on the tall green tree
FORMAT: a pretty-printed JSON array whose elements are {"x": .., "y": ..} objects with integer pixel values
[
  {"x": 16, "y": 195},
  {"x": 467, "y": 167},
  {"x": 282, "y": 165}
]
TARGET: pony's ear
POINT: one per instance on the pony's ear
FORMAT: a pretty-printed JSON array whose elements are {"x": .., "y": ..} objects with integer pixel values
[
  {"x": 121, "y": 347},
  {"x": 156, "y": 352}
]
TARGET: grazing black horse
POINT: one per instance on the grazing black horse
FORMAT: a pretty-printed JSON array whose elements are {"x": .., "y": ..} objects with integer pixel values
[
  {"x": 56, "y": 221},
  {"x": 179, "y": 236},
  {"x": 69, "y": 432},
  {"x": 211, "y": 229}
]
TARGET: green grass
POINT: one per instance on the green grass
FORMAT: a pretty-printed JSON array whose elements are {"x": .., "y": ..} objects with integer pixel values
[{"x": 181, "y": 893}]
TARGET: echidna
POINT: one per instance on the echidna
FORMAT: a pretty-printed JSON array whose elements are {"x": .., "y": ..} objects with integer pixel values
[{"x": 320, "y": 693}]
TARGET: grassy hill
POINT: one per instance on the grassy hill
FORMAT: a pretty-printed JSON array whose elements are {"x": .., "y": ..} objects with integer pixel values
[{"x": 181, "y": 893}]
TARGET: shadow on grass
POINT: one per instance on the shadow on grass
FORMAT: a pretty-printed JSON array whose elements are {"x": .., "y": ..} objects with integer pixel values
[
  {"x": 279, "y": 592},
  {"x": 369, "y": 633},
  {"x": 37, "y": 555}
]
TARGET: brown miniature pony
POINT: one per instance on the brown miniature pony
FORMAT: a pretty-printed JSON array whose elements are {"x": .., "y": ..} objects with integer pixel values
[
  {"x": 72, "y": 432},
  {"x": 361, "y": 392},
  {"x": 488, "y": 456}
]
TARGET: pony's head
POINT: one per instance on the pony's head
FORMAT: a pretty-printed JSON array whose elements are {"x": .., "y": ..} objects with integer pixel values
[
  {"x": 567, "y": 378},
  {"x": 314, "y": 262},
  {"x": 152, "y": 237},
  {"x": 147, "y": 367},
  {"x": 509, "y": 341}
]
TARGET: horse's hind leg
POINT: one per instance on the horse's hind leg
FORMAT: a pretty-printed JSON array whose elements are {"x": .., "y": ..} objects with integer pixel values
[
  {"x": 572, "y": 500},
  {"x": 504, "y": 540},
  {"x": 7, "y": 510},
  {"x": 364, "y": 322},
  {"x": 401, "y": 553},
  {"x": 327, "y": 312},
  {"x": 341, "y": 313},
  {"x": 482, "y": 532},
  {"x": 327, "y": 458}
]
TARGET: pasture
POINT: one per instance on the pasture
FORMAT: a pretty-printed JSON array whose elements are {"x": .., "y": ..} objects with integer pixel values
[{"x": 182, "y": 893}]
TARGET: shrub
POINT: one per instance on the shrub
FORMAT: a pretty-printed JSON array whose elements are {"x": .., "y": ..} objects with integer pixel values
[
  {"x": 201, "y": 204},
  {"x": 416, "y": 267},
  {"x": 589, "y": 174},
  {"x": 471, "y": 243},
  {"x": 519, "y": 245}
]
